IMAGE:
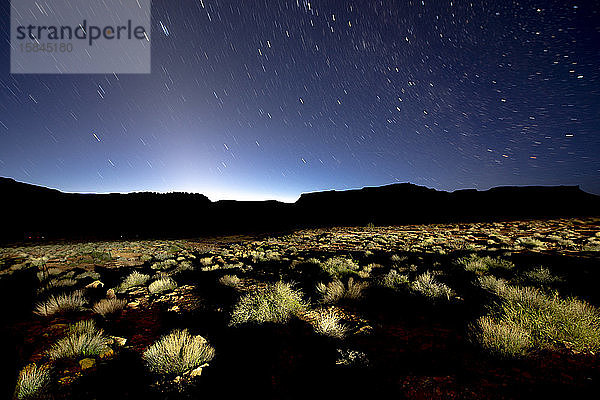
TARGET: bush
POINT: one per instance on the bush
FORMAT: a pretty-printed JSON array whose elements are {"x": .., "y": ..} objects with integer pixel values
[
  {"x": 132, "y": 280},
  {"x": 541, "y": 276},
  {"x": 483, "y": 265},
  {"x": 550, "y": 320},
  {"x": 86, "y": 343},
  {"x": 230, "y": 280},
  {"x": 33, "y": 382},
  {"x": 396, "y": 281},
  {"x": 106, "y": 307},
  {"x": 339, "y": 266},
  {"x": 162, "y": 285},
  {"x": 166, "y": 264},
  {"x": 68, "y": 302},
  {"x": 335, "y": 291},
  {"x": 275, "y": 303},
  {"x": 327, "y": 323},
  {"x": 84, "y": 326},
  {"x": 503, "y": 339},
  {"x": 178, "y": 352},
  {"x": 434, "y": 291}
]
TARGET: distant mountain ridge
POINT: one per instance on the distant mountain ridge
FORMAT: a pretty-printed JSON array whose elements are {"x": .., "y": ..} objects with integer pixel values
[{"x": 35, "y": 211}]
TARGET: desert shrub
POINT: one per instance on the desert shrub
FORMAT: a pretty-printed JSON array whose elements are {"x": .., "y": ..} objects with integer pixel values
[
  {"x": 541, "y": 276},
  {"x": 335, "y": 290},
  {"x": 394, "y": 280},
  {"x": 483, "y": 265},
  {"x": 339, "y": 266},
  {"x": 87, "y": 325},
  {"x": 275, "y": 303},
  {"x": 427, "y": 286},
  {"x": 332, "y": 292},
  {"x": 79, "y": 345},
  {"x": 132, "y": 280},
  {"x": 530, "y": 242},
  {"x": 33, "y": 382},
  {"x": 327, "y": 323},
  {"x": 68, "y": 302},
  {"x": 162, "y": 285},
  {"x": 106, "y": 307},
  {"x": 100, "y": 255},
  {"x": 166, "y": 264},
  {"x": 230, "y": 280},
  {"x": 503, "y": 339},
  {"x": 178, "y": 352},
  {"x": 550, "y": 320}
]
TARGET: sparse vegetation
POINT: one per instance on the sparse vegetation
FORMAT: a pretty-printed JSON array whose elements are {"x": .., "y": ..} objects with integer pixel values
[
  {"x": 85, "y": 343},
  {"x": 275, "y": 303},
  {"x": 484, "y": 265},
  {"x": 107, "y": 307},
  {"x": 340, "y": 266},
  {"x": 427, "y": 286},
  {"x": 551, "y": 321},
  {"x": 133, "y": 280},
  {"x": 396, "y": 281},
  {"x": 541, "y": 276},
  {"x": 33, "y": 382},
  {"x": 503, "y": 339},
  {"x": 68, "y": 302},
  {"x": 177, "y": 353},
  {"x": 162, "y": 285},
  {"x": 328, "y": 323},
  {"x": 335, "y": 290},
  {"x": 230, "y": 280}
]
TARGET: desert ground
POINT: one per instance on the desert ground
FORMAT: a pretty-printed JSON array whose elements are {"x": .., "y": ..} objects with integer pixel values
[{"x": 455, "y": 311}]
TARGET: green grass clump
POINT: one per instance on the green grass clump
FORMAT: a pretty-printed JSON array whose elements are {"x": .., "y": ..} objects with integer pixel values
[
  {"x": 162, "y": 285},
  {"x": 33, "y": 382},
  {"x": 484, "y": 265},
  {"x": 80, "y": 344},
  {"x": 106, "y": 307},
  {"x": 276, "y": 303},
  {"x": 551, "y": 321},
  {"x": 340, "y": 266},
  {"x": 67, "y": 302},
  {"x": 133, "y": 280},
  {"x": 178, "y": 352},
  {"x": 427, "y": 286},
  {"x": 502, "y": 339}
]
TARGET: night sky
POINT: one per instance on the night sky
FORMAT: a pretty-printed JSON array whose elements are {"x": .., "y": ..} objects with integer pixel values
[{"x": 269, "y": 99}]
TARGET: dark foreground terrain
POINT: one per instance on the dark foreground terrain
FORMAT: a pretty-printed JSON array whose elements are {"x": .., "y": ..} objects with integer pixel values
[{"x": 454, "y": 311}]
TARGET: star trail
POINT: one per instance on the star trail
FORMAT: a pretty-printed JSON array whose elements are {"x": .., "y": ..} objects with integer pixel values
[{"x": 269, "y": 99}]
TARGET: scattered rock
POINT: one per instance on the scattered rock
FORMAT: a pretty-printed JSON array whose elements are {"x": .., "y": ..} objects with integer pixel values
[
  {"x": 110, "y": 294},
  {"x": 87, "y": 363},
  {"x": 107, "y": 354},
  {"x": 95, "y": 285},
  {"x": 119, "y": 341}
]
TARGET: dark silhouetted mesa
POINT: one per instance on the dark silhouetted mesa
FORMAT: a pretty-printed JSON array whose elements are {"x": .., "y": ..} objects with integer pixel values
[{"x": 33, "y": 212}]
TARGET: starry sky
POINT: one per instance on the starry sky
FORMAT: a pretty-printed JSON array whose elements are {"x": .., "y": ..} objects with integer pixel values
[{"x": 268, "y": 99}]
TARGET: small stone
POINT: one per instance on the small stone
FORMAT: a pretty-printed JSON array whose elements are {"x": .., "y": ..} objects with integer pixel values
[
  {"x": 133, "y": 304},
  {"x": 107, "y": 354},
  {"x": 110, "y": 294},
  {"x": 196, "y": 372},
  {"x": 174, "y": 309},
  {"x": 119, "y": 341},
  {"x": 95, "y": 285},
  {"x": 87, "y": 363}
]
